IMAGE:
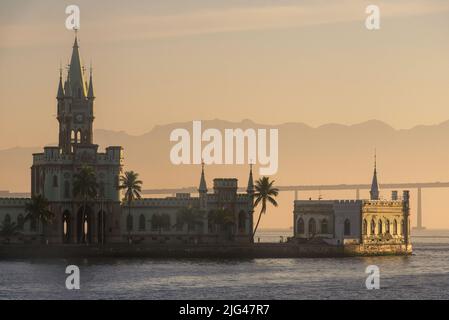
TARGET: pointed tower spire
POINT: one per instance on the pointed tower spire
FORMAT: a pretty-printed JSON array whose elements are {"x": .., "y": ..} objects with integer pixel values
[
  {"x": 374, "y": 192},
  {"x": 76, "y": 72},
  {"x": 203, "y": 186},
  {"x": 90, "y": 93},
  {"x": 250, "y": 189},
  {"x": 60, "y": 94},
  {"x": 67, "y": 84}
]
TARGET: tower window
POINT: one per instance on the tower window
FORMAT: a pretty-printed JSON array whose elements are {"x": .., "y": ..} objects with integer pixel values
[{"x": 324, "y": 226}]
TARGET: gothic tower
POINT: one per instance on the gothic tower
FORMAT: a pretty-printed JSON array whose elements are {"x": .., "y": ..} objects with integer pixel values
[{"x": 75, "y": 105}]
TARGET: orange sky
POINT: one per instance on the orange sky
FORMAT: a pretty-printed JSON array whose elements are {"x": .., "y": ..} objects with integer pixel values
[
  {"x": 157, "y": 62},
  {"x": 270, "y": 61}
]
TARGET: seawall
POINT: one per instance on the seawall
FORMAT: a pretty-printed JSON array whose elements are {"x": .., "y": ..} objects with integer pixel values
[{"x": 248, "y": 251}]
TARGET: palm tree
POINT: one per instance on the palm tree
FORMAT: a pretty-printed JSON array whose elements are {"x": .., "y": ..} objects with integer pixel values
[
  {"x": 85, "y": 187},
  {"x": 133, "y": 186},
  {"x": 265, "y": 192},
  {"x": 37, "y": 210},
  {"x": 160, "y": 222},
  {"x": 190, "y": 216},
  {"x": 8, "y": 230},
  {"x": 223, "y": 218}
]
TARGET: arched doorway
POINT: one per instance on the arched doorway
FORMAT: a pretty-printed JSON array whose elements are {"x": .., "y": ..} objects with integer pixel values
[
  {"x": 66, "y": 227},
  {"x": 300, "y": 226},
  {"x": 84, "y": 226},
  {"x": 312, "y": 227}
]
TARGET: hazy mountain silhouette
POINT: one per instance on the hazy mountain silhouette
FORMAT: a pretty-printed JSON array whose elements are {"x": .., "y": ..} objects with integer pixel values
[{"x": 331, "y": 153}]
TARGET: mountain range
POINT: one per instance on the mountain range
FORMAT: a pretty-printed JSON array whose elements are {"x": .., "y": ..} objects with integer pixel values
[{"x": 328, "y": 154}]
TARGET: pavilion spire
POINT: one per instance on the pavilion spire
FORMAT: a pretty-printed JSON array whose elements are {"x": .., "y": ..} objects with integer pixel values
[
  {"x": 203, "y": 186},
  {"x": 374, "y": 192}
]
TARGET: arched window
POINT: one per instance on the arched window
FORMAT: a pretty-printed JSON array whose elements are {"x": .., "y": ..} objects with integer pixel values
[
  {"x": 324, "y": 226},
  {"x": 55, "y": 181},
  {"x": 365, "y": 227},
  {"x": 379, "y": 228},
  {"x": 79, "y": 136},
  {"x": 312, "y": 227},
  {"x": 300, "y": 227},
  {"x": 347, "y": 227},
  {"x": 66, "y": 226},
  {"x": 142, "y": 223},
  {"x": 402, "y": 227},
  {"x": 66, "y": 189},
  {"x": 20, "y": 222},
  {"x": 156, "y": 222},
  {"x": 373, "y": 227},
  {"x": 387, "y": 226},
  {"x": 73, "y": 136},
  {"x": 129, "y": 222},
  {"x": 395, "y": 227},
  {"x": 7, "y": 219}
]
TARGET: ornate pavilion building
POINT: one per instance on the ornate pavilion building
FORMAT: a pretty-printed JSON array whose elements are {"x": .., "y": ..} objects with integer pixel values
[{"x": 373, "y": 221}]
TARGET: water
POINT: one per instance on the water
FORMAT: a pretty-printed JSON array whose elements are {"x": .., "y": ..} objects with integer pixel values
[{"x": 425, "y": 275}]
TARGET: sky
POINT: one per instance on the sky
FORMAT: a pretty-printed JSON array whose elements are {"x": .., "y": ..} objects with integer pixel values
[
  {"x": 270, "y": 61},
  {"x": 157, "y": 62}
]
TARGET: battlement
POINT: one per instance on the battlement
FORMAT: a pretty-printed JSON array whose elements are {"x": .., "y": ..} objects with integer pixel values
[
  {"x": 8, "y": 202},
  {"x": 383, "y": 203},
  {"x": 226, "y": 183},
  {"x": 54, "y": 155},
  {"x": 352, "y": 201},
  {"x": 165, "y": 202}
]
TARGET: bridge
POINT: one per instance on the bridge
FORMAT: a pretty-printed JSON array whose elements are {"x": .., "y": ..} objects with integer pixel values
[{"x": 327, "y": 187}]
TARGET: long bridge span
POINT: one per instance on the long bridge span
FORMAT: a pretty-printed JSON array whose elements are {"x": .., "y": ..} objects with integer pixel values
[{"x": 325, "y": 187}]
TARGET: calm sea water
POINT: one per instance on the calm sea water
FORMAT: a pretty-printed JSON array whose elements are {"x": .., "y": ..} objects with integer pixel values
[{"x": 425, "y": 275}]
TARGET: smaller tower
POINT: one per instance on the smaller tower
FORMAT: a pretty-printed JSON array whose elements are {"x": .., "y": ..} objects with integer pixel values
[
  {"x": 203, "y": 189},
  {"x": 90, "y": 92},
  {"x": 250, "y": 192},
  {"x": 250, "y": 188},
  {"x": 60, "y": 95},
  {"x": 203, "y": 199},
  {"x": 374, "y": 192}
]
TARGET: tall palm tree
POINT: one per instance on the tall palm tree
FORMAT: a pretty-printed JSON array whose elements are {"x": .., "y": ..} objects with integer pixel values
[
  {"x": 265, "y": 192},
  {"x": 85, "y": 187},
  {"x": 37, "y": 209},
  {"x": 133, "y": 187}
]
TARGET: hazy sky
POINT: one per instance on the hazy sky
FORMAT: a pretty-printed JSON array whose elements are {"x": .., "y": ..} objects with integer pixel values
[{"x": 157, "y": 62}]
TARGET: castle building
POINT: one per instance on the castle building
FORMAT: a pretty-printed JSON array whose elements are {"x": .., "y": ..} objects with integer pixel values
[
  {"x": 374, "y": 221},
  {"x": 105, "y": 219},
  {"x": 224, "y": 197}
]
